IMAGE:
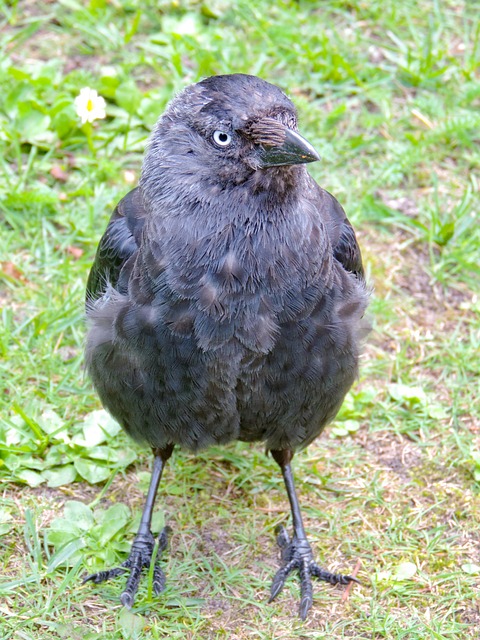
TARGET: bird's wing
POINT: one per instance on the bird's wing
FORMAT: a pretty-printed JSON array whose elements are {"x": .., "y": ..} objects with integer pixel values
[
  {"x": 119, "y": 242},
  {"x": 346, "y": 249},
  {"x": 340, "y": 231}
]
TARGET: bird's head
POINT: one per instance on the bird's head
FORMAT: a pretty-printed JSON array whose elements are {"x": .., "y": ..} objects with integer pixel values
[{"x": 222, "y": 132}]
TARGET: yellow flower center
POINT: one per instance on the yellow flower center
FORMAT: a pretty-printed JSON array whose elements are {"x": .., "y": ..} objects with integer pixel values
[{"x": 90, "y": 105}]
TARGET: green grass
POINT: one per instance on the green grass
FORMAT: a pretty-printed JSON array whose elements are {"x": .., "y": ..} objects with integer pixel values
[{"x": 388, "y": 92}]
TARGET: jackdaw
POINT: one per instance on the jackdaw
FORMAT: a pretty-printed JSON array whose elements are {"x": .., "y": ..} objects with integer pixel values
[{"x": 226, "y": 299}]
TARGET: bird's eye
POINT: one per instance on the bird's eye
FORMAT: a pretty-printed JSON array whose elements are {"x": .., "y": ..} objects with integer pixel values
[{"x": 222, "y": 138}]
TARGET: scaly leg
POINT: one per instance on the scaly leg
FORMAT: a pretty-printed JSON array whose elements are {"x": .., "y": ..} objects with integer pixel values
[
  {"x": 297, "y": 553},
  {"x": 144, "y": 542}
]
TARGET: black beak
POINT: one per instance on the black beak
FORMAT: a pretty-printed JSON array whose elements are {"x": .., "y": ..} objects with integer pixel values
[{"x": 293, "y": 150}]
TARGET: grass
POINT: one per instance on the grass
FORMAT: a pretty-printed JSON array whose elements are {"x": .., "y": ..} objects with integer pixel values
[{"x": 389, "y": 94}]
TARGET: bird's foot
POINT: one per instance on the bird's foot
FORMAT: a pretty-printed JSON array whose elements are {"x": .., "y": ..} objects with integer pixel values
[
  {"x": 140, "y": 557},
  {"x": 297, "y": 555}
]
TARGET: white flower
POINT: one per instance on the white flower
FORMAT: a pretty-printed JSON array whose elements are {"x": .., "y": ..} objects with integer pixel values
[{"x": 90, "y": 106}]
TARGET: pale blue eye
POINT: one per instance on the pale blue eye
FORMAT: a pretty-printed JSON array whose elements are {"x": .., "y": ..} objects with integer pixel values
[{"x": 222, "y": 138}]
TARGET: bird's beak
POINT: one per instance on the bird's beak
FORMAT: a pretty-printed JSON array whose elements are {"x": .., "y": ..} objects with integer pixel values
[{"x": 293, "y": 150}]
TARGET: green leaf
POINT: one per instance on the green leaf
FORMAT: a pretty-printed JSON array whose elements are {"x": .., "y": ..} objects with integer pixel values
[
  {"x": 471, "y": 568},
  {"x": 5, "y": 522},
  {"x": 445, "y": 233},
  {"x": 187, "y": 25},
  {"x": 60, "y": 476},
  {"x": 383, "y": 576},
  {"x": 68, "y": 554},
  {"x": 64, "y": 122},
  {"x": 346, "y": 427},
  {"x": 113, "y": 520},
  {"x": 58, "y": 537},
  {"x": 51, "y": 422},
  {"x": 405, "y": 571},
  {"x": 32, "y": 478},
  {"x": 351, "y": 425},
  {"x": 475, "y": 456},
  {"x": 128, "y": 96},
  {"x": 210, "y": 11},
  {"x": 131, "y": 623},
  {"x": 68, "y": 632},
  {"x": 410, "y": 395},
  {"x": 133, "y": 27},
  {"x": 18, "y": 460},
  {"x": 91, "y": 471},
  {"x": 339, "y": 431},
  {"x": 78, "y": 513},
  {"x": 116, "y": 457},
  {"x": 33, "y": 125},
  {"x": 97, "y": 427},
  {"x": 437, "y": 412},
  {"x": 366, "y": 396},
  {"x": 20, "y": 93}
]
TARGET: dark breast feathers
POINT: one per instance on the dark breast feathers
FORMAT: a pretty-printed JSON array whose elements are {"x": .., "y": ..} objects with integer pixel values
[{"x": 201, "y": 340}]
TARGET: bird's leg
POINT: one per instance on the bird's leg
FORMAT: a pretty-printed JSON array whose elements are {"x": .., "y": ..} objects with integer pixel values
[
  {"x": 144, "y": 542},
  {"x": 296, "y": 552}
]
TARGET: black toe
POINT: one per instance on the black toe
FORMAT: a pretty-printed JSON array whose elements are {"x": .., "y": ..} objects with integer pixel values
[
  {"x": 140, "y": 557},
  {"x": 297, "y": 556}
]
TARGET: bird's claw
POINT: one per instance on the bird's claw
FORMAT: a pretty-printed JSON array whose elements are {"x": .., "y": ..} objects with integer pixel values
[
  {"x": 297, "y": 555},
  {"x": 140, "y": 557}
]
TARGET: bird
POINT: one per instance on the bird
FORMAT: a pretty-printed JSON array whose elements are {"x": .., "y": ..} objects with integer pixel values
[{"x": 226, "y": 301}]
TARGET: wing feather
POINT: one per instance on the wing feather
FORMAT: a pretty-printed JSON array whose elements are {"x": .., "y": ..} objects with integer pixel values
[{"x": 119, "y": 243}]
